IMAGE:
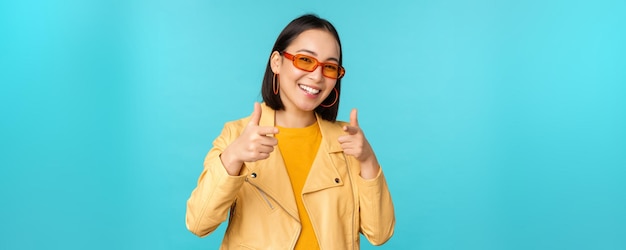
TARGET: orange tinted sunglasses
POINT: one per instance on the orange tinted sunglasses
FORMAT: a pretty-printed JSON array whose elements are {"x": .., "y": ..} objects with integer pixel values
[{"x": 309, "y": 64}]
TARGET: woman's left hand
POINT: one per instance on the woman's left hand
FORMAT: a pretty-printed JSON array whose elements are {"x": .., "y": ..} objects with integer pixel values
[{"x": 355, "y": 144}]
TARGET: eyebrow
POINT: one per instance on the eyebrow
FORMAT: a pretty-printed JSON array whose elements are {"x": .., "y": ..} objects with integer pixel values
[{"x": 315, "y": 54}]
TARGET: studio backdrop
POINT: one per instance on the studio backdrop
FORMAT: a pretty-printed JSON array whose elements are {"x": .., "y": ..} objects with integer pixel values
[{"x": 499, "y": 124}]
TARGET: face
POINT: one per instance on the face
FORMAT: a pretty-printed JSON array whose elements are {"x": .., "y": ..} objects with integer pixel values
[{"x": 301, "y": 90}]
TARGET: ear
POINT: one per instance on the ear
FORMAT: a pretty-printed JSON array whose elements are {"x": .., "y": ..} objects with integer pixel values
[{"x": 276, "y": 61}]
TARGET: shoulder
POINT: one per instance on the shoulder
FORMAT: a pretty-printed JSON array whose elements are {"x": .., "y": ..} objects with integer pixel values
[
  {"x": 236, "y": 126},
  {"x": 341, "y": 123},
  {"x": 332, "y": 129},
  {"x": 230, "y": 131},
  {"x": 333, "y": 125}
]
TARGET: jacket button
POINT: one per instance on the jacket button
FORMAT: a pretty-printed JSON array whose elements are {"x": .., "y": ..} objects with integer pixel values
[
  {"x": 336, "y": 180},
  {"x": 253, "y": 175}
]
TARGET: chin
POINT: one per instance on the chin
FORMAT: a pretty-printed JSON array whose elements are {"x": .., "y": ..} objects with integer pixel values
[{"x": 308, "y": 106}]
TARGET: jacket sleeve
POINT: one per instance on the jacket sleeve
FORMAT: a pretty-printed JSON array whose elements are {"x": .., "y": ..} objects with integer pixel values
[
  {"x": 376, "y": 209},
  {"x": 215, "y": 193}
]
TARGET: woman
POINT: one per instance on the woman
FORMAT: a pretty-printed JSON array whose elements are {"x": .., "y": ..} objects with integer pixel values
[{"x": 315, "y": 184}]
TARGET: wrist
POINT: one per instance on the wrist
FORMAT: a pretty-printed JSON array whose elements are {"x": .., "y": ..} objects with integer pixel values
[
  {"x": 369, "y": 168},
  {"x": 232, "y": 165}
]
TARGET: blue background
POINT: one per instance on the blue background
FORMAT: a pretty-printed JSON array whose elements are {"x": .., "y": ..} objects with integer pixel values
[{"x": 499, "y": 124}]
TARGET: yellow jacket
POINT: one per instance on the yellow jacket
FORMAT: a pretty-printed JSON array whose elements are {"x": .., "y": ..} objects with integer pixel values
[{"x": 263, "y": 212}]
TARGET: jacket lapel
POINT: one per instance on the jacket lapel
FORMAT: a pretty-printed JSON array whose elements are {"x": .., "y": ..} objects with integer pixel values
[
  {"x": 270, "y": 175},
  {"x": 324, "y": 173}
]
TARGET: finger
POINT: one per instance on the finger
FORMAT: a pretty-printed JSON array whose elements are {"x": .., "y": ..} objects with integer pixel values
[
  {"x": 351, "y": 130},
  {"x": 349, "y": 152},
  {"x": 255, "y": 117},
  {"x": 350, "y": 145},
  {"x": 258, "y": 156},
  {"x": 267, "y": 130},
  {"x": 353, "y": 118},
  {"x": 265, "y": 149},
  {"x": 268, "y": 141},
  {"x": 347, "y": 147},
  {"x": 344, "y": 139},
  {"x": 263, "y": 156}
]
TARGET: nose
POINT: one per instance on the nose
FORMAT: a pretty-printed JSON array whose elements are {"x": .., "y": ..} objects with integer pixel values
[{"x": 317, "y": 75}]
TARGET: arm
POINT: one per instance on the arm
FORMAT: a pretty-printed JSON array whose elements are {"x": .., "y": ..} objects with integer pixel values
[
  {"x": 220, "y": 180},
  {"x": 376, "y": 209},
  {"x": 212, "y": 198}
]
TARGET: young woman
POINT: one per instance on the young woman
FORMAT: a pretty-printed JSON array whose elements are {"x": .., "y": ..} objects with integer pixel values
[{"x": 290, "y": 175}]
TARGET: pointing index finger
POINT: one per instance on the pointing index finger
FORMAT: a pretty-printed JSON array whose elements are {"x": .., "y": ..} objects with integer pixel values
[
  {"x": 351, "y": 129},
  {"x": 265, "y": 131},
  {"x": 354, "y": 121}
]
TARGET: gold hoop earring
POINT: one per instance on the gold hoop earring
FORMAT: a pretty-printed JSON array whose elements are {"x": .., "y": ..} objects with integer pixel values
[
  {"x": 275, "y": 87},
  {"x": 335, "y": 101}
]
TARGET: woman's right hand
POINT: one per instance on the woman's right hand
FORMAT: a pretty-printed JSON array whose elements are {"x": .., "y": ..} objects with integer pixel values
[{"x": 254, "y": 143}]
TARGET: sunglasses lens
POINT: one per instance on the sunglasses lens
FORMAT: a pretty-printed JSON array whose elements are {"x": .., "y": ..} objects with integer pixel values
[
  {"x": 331, "y": 70},
  {"x": 309, "y": 64},
  {"x": 305, "y": 62}
]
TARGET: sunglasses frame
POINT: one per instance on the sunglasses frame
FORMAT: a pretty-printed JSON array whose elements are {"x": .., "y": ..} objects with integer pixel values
[{"x": 340, "y": 74}]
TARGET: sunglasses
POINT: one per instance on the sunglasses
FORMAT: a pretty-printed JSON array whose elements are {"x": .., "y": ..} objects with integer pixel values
[{"x": 309, "y": 64}]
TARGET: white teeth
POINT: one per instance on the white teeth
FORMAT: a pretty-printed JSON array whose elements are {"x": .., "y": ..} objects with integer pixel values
[{"x": 309, "y": 89}]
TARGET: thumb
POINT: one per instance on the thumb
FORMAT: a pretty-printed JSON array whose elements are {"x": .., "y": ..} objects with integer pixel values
[
  {"x": 353, "y": 118},
  {"x": 255, "y": 117}
]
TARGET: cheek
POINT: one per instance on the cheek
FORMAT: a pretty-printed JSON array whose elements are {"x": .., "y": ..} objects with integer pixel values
[
  {"x": 330, "y": 88},
  {"x": 291, "y": 73},
  {"x": 331, "y": 83}
]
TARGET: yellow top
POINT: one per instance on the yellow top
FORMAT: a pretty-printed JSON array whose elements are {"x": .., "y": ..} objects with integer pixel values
[{"x": 298, "y": 146}]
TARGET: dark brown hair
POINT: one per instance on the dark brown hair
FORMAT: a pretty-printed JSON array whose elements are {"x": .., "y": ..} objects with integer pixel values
[{"x": 289, "y": 33}]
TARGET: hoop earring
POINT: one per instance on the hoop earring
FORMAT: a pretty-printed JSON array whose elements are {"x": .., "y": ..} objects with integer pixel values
[
  {"x": 275, "y": 87},
  {"x": 335, "y": 101}
]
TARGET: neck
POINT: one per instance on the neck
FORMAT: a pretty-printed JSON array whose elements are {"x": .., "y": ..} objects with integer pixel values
[{"x": 291, "y": 119}]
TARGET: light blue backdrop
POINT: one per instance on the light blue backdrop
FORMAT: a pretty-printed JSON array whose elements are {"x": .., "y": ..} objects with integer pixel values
[{"x": 499, "y": 124}]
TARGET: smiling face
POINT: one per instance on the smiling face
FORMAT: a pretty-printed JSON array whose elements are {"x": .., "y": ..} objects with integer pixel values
[{"x": 302, "y": 91}]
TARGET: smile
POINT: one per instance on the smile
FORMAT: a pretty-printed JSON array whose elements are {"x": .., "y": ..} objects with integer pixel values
[{"x": 309, "y": 90}]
